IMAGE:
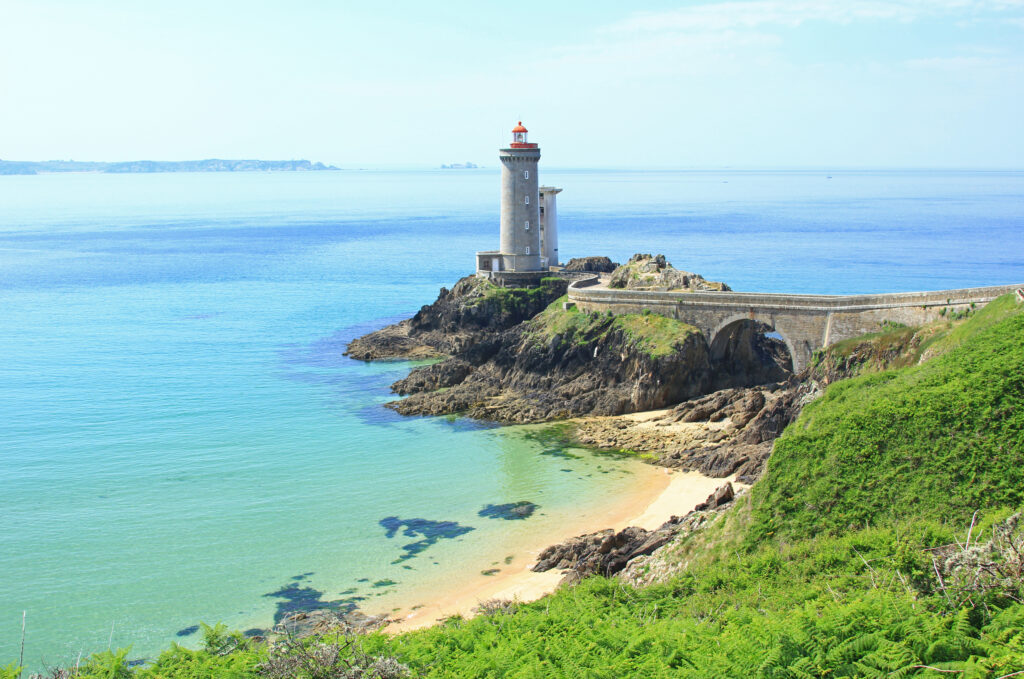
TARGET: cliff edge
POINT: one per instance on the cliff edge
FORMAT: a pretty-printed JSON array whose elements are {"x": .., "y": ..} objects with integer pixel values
[{"x": 522, "y": 355}]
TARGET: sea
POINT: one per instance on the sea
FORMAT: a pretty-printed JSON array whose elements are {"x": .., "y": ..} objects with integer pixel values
[{"x": 182, "y": 439}]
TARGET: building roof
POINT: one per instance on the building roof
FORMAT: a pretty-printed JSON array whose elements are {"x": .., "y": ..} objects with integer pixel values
[{"x": 519, "y": 127}]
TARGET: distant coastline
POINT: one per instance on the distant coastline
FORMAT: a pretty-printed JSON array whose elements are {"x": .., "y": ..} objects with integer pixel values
[{"x": 13, "y": 167}]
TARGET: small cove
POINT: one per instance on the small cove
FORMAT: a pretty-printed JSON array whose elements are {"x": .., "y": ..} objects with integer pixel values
[{"x": 183, "y": 440}]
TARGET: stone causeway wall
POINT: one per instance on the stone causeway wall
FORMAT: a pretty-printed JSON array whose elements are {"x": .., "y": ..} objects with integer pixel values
[{"x": 805, "y": 322}]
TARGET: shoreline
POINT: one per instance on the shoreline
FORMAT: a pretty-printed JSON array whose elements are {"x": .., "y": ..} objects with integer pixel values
[{"x": 669, "y": 492}]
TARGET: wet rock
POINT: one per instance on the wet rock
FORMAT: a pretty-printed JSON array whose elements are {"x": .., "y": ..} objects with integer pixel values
[{"x": 433, "y": 377}]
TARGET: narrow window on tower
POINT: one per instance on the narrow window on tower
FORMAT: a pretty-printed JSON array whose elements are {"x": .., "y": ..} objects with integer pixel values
[
  {"x": 527, "y": 249},
  {"x": 526, "y": 174},
  {"x": 527, "y": 200},
  {"x": 527, "y": 224}
]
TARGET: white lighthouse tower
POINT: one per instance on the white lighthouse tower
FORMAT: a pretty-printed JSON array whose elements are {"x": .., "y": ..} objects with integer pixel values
[{"x": 521, "y": 249}]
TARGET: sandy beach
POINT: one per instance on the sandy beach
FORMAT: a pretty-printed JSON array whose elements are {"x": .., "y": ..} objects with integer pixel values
[{"x": 668, "y": 492}]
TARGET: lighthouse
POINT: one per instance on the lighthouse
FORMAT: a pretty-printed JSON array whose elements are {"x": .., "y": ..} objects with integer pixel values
[
  {"x": 525, "y": 245},
  {"x": 520, "y": 202}
]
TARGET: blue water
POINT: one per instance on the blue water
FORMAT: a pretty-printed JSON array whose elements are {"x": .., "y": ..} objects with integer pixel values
[{"x": 180, "y": 435}]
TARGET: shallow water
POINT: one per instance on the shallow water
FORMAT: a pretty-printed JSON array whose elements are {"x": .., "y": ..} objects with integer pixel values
[{"x": 182, "y": 440}]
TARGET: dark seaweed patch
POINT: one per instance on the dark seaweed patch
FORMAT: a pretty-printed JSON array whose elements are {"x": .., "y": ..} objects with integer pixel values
[
  {"x": 512, "y": 511},
  {"x": 296, "y": 599},
  {"x": 385, "y": 583},
  {"x": 255, "y": 632},
  {"x": 490, "y": 571},
  {"x": 302, "y": 576},
  {"x": 552, "y": 436},
  {"x": 185, "y": 631},
  {"x": 559, "y": 452},
  {"x": 430, "y": 531}
]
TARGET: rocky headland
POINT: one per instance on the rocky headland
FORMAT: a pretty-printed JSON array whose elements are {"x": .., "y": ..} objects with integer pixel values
[{"x": 522, "y": 356}]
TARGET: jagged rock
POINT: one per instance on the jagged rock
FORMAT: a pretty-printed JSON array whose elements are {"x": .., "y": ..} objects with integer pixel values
[
  {"x": 722, "y": 495},
  {"x": 608, "y": 552},
  {"x": 647, "y": 272},
  {"x": 721, "y": 460},
  {"x": 433, "y": 377},
  {"x": 747, "y": 408},
  {"x": 605, "y": 552},
  {"x": 769, "y": 423},
  {"x": 705, "y": 408},
  {"x": 456, "y": 321},
  {"x": 321, "y": 621},
  {"x": 592, "y": 264},
  {"x": 528, "y": 377}
]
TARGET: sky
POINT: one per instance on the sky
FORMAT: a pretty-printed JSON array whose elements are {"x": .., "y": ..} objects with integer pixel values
[{"x": 744, "y": 83}]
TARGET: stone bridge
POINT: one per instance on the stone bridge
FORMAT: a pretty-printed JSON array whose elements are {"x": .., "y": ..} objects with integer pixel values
[{"x": 806, "y": 323}]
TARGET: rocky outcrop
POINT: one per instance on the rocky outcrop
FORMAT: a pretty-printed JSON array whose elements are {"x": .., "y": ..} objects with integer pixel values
[
  {"x": 324, "y": 621},
  {"x": 591, "y": 264},
  {"x": 607, "y": 552},
  {"x": 539, "y": 372},
  {"x": 433, "y": 377},
  {"x": 472, "y": 310},
  {"x": 724, "y": 433},
  {"x": 723, "y": 495},
  {"x": 653, "y": 272},
  {"x": 895, "y": 347},
  {"x": 514, "y": 357}
]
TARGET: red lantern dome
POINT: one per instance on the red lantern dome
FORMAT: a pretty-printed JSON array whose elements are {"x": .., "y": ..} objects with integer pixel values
[{"x": 519, "y": 138}]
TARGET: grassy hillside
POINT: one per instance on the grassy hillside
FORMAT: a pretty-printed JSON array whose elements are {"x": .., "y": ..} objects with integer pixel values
[
  {"x": 850, "y": 558},
  {"x": 937, "y": 440}
]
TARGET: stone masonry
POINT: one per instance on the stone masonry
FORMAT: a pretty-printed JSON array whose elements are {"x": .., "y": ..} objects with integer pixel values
[{"x": 805, "y": 322}]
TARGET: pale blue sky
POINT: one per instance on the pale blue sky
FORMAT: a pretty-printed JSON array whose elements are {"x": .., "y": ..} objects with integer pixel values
[{"x": 779, "y": 83}]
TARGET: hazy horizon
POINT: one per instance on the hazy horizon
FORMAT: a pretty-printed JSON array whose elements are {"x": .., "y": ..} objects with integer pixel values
[{"x": 751, "y": 83}]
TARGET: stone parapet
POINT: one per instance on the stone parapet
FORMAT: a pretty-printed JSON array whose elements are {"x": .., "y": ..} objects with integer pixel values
[{"x": 805, "y": 322}]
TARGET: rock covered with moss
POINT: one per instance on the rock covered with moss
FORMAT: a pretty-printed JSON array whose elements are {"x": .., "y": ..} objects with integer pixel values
[
  {"x": 654, "y": 272},
  {"x": 565, "y": 363},
  {"x": 473, "y": 309}
]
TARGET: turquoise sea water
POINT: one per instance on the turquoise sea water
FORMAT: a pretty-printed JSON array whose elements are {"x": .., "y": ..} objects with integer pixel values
[{"x": 180, "y": 436}]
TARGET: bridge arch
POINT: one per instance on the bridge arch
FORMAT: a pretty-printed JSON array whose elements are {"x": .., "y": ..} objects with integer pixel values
[{"x": 722, "y": 332}]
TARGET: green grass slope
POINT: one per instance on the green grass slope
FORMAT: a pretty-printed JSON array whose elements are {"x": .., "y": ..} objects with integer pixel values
[{"x": 937, "y": 440}]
